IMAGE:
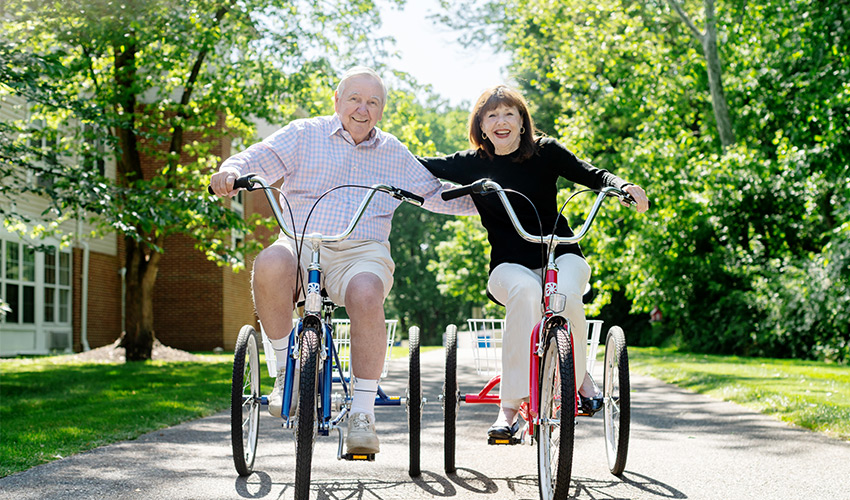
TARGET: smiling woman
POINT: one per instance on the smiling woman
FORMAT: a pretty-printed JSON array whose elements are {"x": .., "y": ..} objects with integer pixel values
[{"x": 503, "y": 126}]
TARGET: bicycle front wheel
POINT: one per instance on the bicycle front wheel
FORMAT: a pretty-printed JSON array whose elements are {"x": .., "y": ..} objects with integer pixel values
[
  {"x": 451, "y": 400},
  {"x": 617, "y": 407},
  {"x": 414, "y": 402},
  {"x": 245, "y": 401},
  {"x": 556, "y": 429},
  {"x": 305, "y": 429}
]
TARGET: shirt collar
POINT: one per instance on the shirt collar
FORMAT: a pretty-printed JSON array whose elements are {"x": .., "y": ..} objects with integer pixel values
[{"x": 374, "y": 140}]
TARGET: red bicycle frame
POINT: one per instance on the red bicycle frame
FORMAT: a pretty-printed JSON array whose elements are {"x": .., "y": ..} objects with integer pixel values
[{"x": 529, "y": 411}]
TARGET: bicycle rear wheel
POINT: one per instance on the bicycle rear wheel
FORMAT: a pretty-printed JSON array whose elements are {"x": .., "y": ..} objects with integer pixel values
[
  {"x": 414, "y": 402},
  {"x": 556, "y": 430},
  {"x": 305, "y": 429},
  {"x": 451, "y": 400},
  {"x": 245, "y": 401},
  {"x": 617, "y": 407}
]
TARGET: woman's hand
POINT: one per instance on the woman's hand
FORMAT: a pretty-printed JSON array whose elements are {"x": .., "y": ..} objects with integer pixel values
[{"x": 639, "y": 196}]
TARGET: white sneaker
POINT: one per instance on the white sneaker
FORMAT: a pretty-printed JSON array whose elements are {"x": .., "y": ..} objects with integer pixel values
[
  {"x": 276, "y": 397},
  {"x": 362, "y": 437}
]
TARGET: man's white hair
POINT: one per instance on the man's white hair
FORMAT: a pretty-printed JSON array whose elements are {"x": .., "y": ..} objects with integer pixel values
[{"x": 360, "y": 71}]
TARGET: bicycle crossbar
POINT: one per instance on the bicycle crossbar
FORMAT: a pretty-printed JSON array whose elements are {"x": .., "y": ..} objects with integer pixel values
[
  {"x": 390, "y": 401},
  {"x": 484, "y": 395}
]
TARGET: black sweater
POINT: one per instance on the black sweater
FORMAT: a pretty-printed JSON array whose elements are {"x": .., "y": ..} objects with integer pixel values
[{"x": 536, "y": 178}]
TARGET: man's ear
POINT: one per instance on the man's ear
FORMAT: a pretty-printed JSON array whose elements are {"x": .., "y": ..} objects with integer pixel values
[{"x": 336, "y": 101}]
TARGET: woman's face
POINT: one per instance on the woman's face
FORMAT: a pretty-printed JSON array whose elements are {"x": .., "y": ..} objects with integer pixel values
[{"x": 502, "y": 127}]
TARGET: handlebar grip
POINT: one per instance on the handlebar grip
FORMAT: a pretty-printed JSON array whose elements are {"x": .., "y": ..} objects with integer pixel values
[
  {"x": 243, "y": 182},
  {"x": 453, "y": 193},
  {"x": 411, "y": 196},
  {"x": 475, "y": 187}
]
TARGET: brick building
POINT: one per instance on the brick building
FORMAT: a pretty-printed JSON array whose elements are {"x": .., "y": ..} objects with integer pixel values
[{"x": 71, "y": 298}]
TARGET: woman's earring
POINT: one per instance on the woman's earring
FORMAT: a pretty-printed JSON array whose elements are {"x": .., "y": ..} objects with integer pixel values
[
  {"x": 521, "y": 130},
  {"x": 483, "y": 136}
]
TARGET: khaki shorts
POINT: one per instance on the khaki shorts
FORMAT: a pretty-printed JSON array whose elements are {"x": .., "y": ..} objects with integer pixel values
[{"x": 344, "y": 260}]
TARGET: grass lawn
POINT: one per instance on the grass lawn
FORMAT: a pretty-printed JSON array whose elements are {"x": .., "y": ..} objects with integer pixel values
[
  {"x": 809, "y": 394},
  {"x": 50, "y": 409}
]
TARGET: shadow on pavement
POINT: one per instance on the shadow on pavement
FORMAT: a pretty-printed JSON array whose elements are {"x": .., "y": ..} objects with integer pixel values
[{"x": 260, "y": 485}]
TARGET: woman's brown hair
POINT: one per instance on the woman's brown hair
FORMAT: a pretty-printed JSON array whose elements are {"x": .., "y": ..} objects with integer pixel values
[{"x": 491, "y": 99}]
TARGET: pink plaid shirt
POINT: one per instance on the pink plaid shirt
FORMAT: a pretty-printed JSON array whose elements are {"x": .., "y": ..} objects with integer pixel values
[{"x": 316, "y": 154}]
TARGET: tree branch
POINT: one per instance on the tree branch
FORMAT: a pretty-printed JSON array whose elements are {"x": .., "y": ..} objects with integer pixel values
[
  {"x": 684, "y": 15},
  {"x": 176, "y": 146}
]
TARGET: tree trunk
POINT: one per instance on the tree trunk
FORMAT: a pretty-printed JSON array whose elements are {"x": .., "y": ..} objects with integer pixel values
[
  {"x": 715, "y": 78},
  {"x": 708, "y": 41},
  {"x": 142, "y": 268}
]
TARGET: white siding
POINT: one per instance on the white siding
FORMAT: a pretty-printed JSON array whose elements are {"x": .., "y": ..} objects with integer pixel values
[{"x": 13, "y": 108}]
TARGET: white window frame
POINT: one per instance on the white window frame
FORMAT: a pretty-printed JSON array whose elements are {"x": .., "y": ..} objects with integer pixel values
[{"x": 42, "y": 334}]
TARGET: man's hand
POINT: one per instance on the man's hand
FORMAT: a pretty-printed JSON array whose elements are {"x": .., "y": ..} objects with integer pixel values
[
  {"x": 222, "y": 182},
  {"x": 639, "y": 196}
]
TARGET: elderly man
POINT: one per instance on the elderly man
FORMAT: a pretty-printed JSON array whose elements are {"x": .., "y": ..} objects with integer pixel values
[{"x": 313, "y": 155}]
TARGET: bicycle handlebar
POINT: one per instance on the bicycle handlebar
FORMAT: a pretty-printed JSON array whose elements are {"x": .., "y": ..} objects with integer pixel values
[
  {"x": 250, "y": 182},
  {"x": 243, "y": 182},
  {"x": 476, "y": 187},
  {"x": 486, "y": 186}
]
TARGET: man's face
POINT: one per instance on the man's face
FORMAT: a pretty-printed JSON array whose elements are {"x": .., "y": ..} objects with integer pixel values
[{"x": 360, "y": 105}]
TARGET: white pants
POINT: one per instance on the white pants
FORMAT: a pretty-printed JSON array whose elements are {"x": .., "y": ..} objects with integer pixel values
[{"x": 520, "y": 290}]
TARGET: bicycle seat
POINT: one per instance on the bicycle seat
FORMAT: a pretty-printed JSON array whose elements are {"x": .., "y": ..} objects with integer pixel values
[{"x": 586, "y": 298}]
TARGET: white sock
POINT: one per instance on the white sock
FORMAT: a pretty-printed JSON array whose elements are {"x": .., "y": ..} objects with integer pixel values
[
  {"x": 365, "y": 391},
  {"x": 281, "y": 351},
  {"x": 589, "y": 389},
  {"x": 508, "y": 409}
]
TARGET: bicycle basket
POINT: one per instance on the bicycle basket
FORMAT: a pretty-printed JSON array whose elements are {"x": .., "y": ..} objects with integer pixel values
[{"x": 342, "y": 340}]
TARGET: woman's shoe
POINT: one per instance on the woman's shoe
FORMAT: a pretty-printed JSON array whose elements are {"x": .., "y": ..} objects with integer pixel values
[
  {"x": 591, "y": 405},
  {"x": 501, "y": 431}
]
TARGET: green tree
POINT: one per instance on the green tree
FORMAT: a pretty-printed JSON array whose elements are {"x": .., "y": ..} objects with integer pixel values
[
  {"x": 428, "y": 126},
  {"x": 159, "y": 83},
  {"x": 744, "y": 246}
]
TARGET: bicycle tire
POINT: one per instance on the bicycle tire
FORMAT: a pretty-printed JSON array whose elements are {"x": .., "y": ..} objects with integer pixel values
[
  {"x": 305, "y": 428},
  {"x": 617, "y": 407},
  {"x": 556, "y": 430},
  {"x": 245, "y": 401},
  {"x": 451, "y": 401},
  {"x": 414, "y": 402}
]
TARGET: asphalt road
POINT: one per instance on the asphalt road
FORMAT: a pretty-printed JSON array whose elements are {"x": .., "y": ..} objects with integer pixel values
[{"x": 683, "y": 445}]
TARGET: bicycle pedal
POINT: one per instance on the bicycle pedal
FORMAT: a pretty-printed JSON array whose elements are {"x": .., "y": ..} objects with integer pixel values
[
  {"x": 502, "y": 441},
  {"x": 362, "y": 457}
]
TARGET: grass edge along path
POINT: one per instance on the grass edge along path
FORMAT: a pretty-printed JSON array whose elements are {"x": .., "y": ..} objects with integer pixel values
[
  {"x": 808, "y": 394},
  {"x": 52, "y": 409}
]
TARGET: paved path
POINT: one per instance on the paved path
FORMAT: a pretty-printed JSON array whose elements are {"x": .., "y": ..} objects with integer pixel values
[{"x": 683, "y": 445}]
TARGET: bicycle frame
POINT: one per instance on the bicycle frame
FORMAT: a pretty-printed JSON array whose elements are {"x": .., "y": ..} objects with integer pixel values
[
  {"x": 553, "y": 302},
  {"x": 317, "y": 313}
]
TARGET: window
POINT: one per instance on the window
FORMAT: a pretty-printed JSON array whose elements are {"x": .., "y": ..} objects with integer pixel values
[
  {"x": 18, "y": 282},
  {"x": 93, "y": 156},
  {"x": 57, "y": 287},
  {"x": 25, "y": 287},
  {"x": 46, "y": 141}
]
